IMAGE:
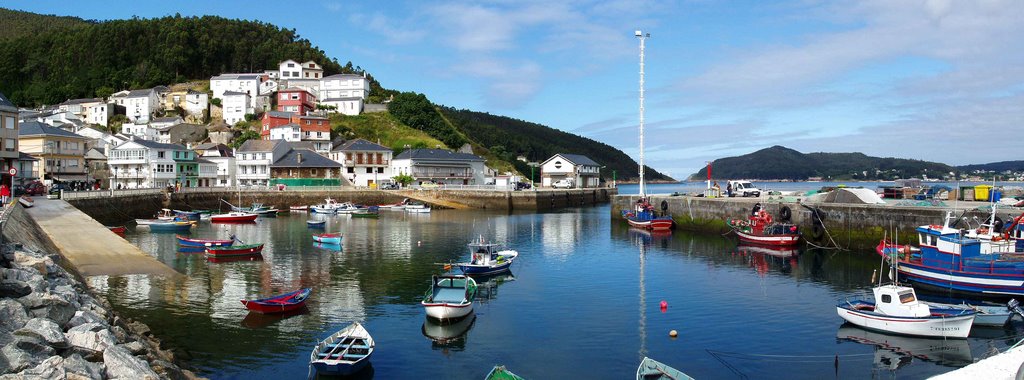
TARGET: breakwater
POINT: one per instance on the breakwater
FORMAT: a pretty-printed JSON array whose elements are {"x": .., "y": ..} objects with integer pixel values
[{"x": 855, "y": 226}]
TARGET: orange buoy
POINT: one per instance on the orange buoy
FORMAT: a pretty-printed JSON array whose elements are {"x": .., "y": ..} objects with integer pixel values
[{"x": 673, "y": 333}]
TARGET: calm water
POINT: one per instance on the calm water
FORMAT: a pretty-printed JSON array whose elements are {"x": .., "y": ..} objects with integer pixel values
[{"x": 583, "y": 302}]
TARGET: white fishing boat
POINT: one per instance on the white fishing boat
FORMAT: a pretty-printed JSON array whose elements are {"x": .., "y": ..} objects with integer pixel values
[
  {"x": 344, "y": 352},
  {"x": 487, "y": 259},
  {"x": 417, "y": 208},
  {"x": 895, "y": 309},
  {"x": 450, "y": 297},
  {"x": 331, "y": 206}
]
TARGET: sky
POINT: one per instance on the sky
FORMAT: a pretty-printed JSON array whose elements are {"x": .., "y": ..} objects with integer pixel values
[{"x": 936, "y": 80}]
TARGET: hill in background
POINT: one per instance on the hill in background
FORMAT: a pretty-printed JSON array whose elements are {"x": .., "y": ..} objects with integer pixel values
[{"x": 782, "y": 163}]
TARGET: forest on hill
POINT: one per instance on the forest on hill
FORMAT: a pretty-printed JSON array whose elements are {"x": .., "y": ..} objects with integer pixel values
[{"x": 781, "y": 163}]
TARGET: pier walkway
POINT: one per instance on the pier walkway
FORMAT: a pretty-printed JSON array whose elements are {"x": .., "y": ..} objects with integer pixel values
[
  {"x": 1006, "y": 365},
  {"x": 90, "y": 248}
]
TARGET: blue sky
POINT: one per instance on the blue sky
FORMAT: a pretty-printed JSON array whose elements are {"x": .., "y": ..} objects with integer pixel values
[{"x": 936, "y": 80}]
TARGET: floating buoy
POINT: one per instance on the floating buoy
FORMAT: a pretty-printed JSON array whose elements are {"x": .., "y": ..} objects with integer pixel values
[
  {"x": 419, "y": 243},
  {"x": 664, "y": 305},
  {"x": 673, "y": 333}
]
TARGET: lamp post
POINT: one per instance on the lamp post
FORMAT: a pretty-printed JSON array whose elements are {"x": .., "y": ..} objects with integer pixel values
[{"x": 533, "y": 182}]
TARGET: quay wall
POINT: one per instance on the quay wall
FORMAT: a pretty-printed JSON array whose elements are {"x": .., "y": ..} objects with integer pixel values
[{"x": 854, "y": 226}]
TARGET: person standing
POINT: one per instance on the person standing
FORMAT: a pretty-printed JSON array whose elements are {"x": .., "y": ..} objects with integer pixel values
[
  {"x": 728, "y": 190},
  {"x": 5, "y": 193}
]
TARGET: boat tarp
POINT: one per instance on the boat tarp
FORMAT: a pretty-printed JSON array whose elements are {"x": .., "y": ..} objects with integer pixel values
[{"x": 848, "y": 195}]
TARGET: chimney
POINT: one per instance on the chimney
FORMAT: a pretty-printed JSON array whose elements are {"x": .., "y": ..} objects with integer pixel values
[{"x": 298, "y": 158}]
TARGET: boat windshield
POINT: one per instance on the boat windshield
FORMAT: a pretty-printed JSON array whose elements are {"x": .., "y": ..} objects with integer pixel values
[{"x": 907, "y": 297}]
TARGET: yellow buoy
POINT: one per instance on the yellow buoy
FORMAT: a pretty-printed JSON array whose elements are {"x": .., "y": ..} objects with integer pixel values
[{"x": 673, "y": 333}]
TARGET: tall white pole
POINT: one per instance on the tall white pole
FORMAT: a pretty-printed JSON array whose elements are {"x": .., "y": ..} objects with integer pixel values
[{"x": 643, "y": 186}]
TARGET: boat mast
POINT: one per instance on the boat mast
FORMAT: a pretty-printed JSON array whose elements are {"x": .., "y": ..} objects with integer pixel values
[{"x": 643, "y": 37}]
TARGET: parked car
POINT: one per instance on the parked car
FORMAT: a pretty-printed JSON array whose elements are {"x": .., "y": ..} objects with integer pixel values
[
  {"x": 565, "y": 183},
  {"x": 55, "y": 189},
  {"x": 523, "y": 186},
  {"x": 389, "y": 186},
  {"x": 31, "y": 189}
]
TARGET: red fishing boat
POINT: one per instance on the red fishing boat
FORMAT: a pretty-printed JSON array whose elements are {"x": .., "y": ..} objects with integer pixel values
[
  {"x": 191, "y": 242},
  {"x": 234, "y": 217},
  {"x": 279, "y": 304},
  {"x": 235, "y": 250},
  {"x": 760, "y": 228}
]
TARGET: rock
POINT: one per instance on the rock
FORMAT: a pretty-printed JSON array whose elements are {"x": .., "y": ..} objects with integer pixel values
[
  {"x": 52, "y": 368},
  {"x": 85, "y": 316},
  {"x": 23, "y": 353},
  {"x": 90, "y": 340},
  {"x": 92, "y": 327},
  {"x": 53, "y": 307},
  {"x": 78, "y": 368},
  {"x": 12, "y": 315},
  {"x": 122, "y": 365},
  {"x": 139, "y": 328},
  {"x": 136, "y": 347},
  {"x": 168, "y": 370},
  {"x": 39, "y": 264},
  {"x": 67, "y": 293},
  {"x": 121, "y": 335},
  {"x": 46, "y": 330},
  {"x": 14, "y": 289}
]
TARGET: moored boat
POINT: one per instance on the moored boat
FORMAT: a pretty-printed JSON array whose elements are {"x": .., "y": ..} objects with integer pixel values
[
  {"x": 188, "y": 215},
  {"x": 644, "y": 216},
  {"x": 170, "y": 226},
  {"x": 193, "y": 242},
  {"x": 316, "y": 223},
  {"x": 282, "y": 303},
  {"x": 499, "y": 372},
  {"x": 234, "y": 217},
  {"x": 119, "y": 230},
  {"x": 299, "y": 208},
  {"x": 235, "y": 250},
  {"x": 327, "y": 238},
  {"x": 26, "y": 201},
  {"x": 487, "y": 259},
  {"x": 895, "y": 309},
  {"x": 760, "y": 228},
  {"x": 372, "y": 212},
  {"x": 651, "y": 369},
  {"x": 417, "y": 208},
  {"x": 344, "y": 352},
  {"x": 987, "y": 315},
  {"x": 450, "y": 297}
]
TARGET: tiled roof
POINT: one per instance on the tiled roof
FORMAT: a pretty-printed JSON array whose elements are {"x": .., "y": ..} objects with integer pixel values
[
  {"x": 579, "y": 159},
  {"x": 280, "y": 114},
  {"x": 35, "y": 128},
  {"x": 437, "y": 154},
  {"x": 80, "y": 101},
  {"x": 6, "y": 105},
  {"x": 347, "y": 98},
  {"x": 310, "y": 159},
  {"x": 238, "y": 76},
  {"x": 232, "y": 93},
  {"x": 362, "y": 145},
  {"x": 140, "y": 93},
  {"x": 344, "y": 76},
  {"x": 258, "y": 145},
  {"x": 156, "y": 145}
]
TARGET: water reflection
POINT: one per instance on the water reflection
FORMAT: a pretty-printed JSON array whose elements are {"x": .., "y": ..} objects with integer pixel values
[
  {"x": 255, "y": 320},
  {"x": 894, "y": 351},
  {"x": 487, "y": 287},
  {"x": 448, "y": 336}
]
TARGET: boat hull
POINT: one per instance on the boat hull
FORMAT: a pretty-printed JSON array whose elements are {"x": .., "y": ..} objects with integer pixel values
[
  {"x": 320, "y": 224},
  {"x": 958, "y": 326},
  {"x": 327, "y": 239},
  {"x": 484, "y": 270},
  {"x": 447, "y": 312},
  {"x": 248, "y": 218},
  {"x": 170, "y": 227},
  {"x": 279, "y": 304},
  {"x": 199, "y": 243},
  {"x": 784, "y": 240},
  {"x": 659, "y": 224},
  {"x": 242, "y": 250}
]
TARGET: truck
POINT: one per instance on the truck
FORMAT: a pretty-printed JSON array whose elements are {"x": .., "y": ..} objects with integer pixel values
[{"x": 744, "y": 189}]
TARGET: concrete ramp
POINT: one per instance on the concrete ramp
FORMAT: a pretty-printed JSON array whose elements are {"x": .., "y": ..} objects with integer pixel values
[{"x": 54, "y": 226}]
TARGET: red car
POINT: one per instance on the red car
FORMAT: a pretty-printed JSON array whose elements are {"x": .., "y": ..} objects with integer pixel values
[{"x": 34, "y": 188}]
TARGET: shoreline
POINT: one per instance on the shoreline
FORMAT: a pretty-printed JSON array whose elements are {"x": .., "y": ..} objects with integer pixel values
[{"x": 54, "y": 326}]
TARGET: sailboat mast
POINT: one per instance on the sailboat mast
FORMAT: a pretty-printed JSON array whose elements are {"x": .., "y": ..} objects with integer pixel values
[{"x": 643, "y": 37}]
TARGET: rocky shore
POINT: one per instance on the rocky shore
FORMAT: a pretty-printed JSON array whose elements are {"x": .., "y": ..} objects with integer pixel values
[{"x": 53, "y": 327}]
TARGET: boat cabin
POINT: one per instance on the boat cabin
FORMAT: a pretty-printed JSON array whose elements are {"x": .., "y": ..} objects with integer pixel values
[
  {"x": 482, "y": 253},
  {"x": 899, "y": 301}
]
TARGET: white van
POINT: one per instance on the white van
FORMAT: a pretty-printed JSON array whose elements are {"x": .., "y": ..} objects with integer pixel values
[
  {"x": 565, "y": 183},
  {"x": 744, "y": 189}
]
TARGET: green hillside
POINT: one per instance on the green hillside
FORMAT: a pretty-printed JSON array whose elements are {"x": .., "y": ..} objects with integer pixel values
[
  {"x": 382, "y": 128},
  {"x": 18, "y": 24},
  {"x": 780, "y": 162}
]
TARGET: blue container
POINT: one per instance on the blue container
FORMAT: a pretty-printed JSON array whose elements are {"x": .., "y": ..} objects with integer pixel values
[{"x": 996, "y": 195}]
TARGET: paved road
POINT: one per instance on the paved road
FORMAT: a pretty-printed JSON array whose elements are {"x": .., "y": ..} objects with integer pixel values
[{"x": 88, "y": 245}]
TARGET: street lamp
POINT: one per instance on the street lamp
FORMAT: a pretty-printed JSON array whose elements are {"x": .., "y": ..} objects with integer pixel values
[{"x": 533, "y": 182}]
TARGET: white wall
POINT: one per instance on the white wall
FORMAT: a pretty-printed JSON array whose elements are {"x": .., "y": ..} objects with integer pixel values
[{"x": 235, "y": 107}]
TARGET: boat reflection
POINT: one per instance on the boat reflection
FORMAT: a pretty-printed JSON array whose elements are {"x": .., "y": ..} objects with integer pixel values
[
  {"x": 763, "y": 258},
  {"x": 895, "y": 351},
  {"x": 255, "y": 320},
  {"x": 191, "y": 249},
  {"x": 364, "y": 374},
  {"x": 487, "y": 287},
  {"x": 328, "y": 247},
  {"x": 649, "y": 238},
  {"x": 256, "y": 257},
  {"x": 449, "y": 336}
]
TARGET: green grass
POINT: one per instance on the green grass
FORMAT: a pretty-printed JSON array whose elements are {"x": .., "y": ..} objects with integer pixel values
[{"x": 382, "y": 127}]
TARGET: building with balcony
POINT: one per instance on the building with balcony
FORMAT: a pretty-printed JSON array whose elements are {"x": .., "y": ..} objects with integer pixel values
[
  {"x": 26, "y": 165},
  {"x": 364, "y": 163},
  {"x": 9, "y": 127},
  {"x": 583, "y": 171},
  {"x": 439, "y": 166},
  {"x": 314, "y": 130},
  {"x": 224, "y": 158},
  {"x": 61, "y": 154},
  {"x": 253, "y": 160},
  {"x": 290, "y": 69},
  {"x": 143, "y": 164}
]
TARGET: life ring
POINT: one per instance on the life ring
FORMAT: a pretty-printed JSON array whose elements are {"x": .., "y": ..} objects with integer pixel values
[
  {"x": 785, "y": 213},
  {"x": 817, "y": 231}
]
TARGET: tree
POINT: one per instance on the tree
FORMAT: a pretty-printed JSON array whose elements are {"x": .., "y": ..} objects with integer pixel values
[
  {"x": 246, "y": 136},
  {"x": 403, "y": 179}
]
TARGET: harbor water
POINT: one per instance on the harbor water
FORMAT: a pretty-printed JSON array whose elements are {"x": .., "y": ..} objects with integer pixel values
[{"x": 582, "y": 302}]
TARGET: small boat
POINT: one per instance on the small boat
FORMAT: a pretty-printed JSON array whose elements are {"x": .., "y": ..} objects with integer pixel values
[
  {"x": 235, "y": 250},
  {"x": 316, "y": 223},
  {"x": 987, "y": 315},
  {"x": 896, "y": 310},
  {"x": 487, "y": 259},
  {"x": 450, "y": 297},
  {"x": 266, "y": 212},
  {"x": 395, "y": 206},
  {"x": 26, "y": 201},
  {"x": 327, "y": 238},
  {"x": 330, "y": 206},
  {"x": 192, "y": 242},
  {"x": 643, "y": 215},
  {"x": 344, "y": 352},
  {"x": 651, "y": 369},
  {"x": 165, "y": 214},
  {"x": 189, "y": 215},
  {"x": 279, "y": 304},
  {"x": 499, "y": 372},
  {"x": 417, "y": 208},
  {"x": 120, "y": 230},
  {"x": 299, "y": 208},
  {"x": 234, "y": 217},
  {"x": 759, "y": 228},
  {"x": 170, "y": 226},
  {"x": 370, "y": 212}
]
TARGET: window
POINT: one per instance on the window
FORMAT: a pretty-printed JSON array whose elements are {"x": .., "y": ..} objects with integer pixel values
[
  {"x": 319, "y": 134},
  {"x": 312, "y": 172},
  {"x": 176, "y": 155},
  {"x": 295, "y": 74},
  {"x": 351, "y": 169},
  {"x": 9, "y": 145},
  {"x": 160, "y": 154},
  {"x": 290, "y": 65},
  {"x": 369, "y": 170},
  {"x": 907, "y": 297},
  {"x": 284, "y": 96},
  {"x": 886, "y": 298},
  {"x": 380, "y": 170},
  {"x": 9, "y": 122}
]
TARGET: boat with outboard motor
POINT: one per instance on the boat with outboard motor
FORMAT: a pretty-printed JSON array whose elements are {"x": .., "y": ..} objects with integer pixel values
[{"x": 487, "y": 258}]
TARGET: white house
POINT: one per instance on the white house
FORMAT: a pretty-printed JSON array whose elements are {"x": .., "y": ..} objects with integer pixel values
[
  {"x": 91, "y": 110},
  {"x": 345, "y": 106},
  {"x": 290, "y": 69},
  {"x": 139, "y": 105},
  {"x": 243, "y": 83},
  {"x": 164, "y": 122},
  {"x": 222, "y": 156},
  {"x": 365, "y": 162},
  {"x": 286, "y": 132},
  {"x": 253, "y": 161},
  {"x": 344, "y": 86},
  {"x": 99, "y": 139},
  {"x": 583, "y": 171},
  {"x": 236, "y": 105},
  {"x": 142, "y": 164},
  {"x": 99, "y": 113},
  {"x": 439, "y": 166},
  {"x": 139, "y": 131},
  {"x": 196, "y": 102}
]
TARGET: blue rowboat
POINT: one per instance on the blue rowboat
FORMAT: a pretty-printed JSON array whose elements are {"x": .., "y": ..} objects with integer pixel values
[
  {"x": 651, "y": 369},
  {"x": 327, "y": 238},
  {"x": 170, "y": 226},
  {"x": 344, "y": 352},
  {"x": 316, "y": 223}
]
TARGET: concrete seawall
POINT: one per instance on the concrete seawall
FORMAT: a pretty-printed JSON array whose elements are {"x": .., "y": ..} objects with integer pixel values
[{"x": 856, "y": 226}]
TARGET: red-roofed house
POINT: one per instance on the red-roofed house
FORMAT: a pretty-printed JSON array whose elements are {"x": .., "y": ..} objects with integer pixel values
[
  {"x": 272, "y": 119},
  {"x": 295, "y": 100}
]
